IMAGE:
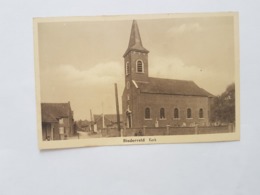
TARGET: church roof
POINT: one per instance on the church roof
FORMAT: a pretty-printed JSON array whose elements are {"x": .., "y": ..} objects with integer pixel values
[
  {"x": 171, "y": 87},
  {"x": 135, "y": 42},
  {"x": 51, "y": 112}
]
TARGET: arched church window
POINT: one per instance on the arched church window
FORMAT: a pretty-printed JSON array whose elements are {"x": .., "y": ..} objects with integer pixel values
[
  {"x": 189, "y": 114},
  {"x": 201, "y": 113},
  {"x": 147, "y": 113},
  {"x": 128, "y": 85},
  {"x": 139, "y": 66},
  {"x": 162, "y": 113},
  {"x": 127, "y": 68},
  {"x": 176, "y": 113}
]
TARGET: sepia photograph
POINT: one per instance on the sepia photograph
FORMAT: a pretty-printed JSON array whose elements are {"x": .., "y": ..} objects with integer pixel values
[{"x": 137, "y": 79}]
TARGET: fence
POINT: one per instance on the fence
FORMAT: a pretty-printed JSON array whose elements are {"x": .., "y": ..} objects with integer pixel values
[{"x": 168, "y": 130}]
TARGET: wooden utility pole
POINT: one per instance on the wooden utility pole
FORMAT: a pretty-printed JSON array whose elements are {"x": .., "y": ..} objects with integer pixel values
[
  {"x": 91, "y": 119},
  {"x": 103, "y": 118},
  {"x": 117, "y": 109}
]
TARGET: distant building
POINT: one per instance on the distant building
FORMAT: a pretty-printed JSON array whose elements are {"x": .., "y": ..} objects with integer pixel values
[
  {"x": 157, "y": 102},
  {"x": 83, "y": 125},
  {"x": 110, "y": 121},
  {"x": 57, "y": 121}
]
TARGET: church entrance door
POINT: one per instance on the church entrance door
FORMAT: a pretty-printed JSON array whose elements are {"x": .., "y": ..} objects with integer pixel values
[{"x": 129, "y": 120}]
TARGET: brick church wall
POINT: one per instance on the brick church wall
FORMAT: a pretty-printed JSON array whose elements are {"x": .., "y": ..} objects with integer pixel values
[{"x": 169, "y": 102}]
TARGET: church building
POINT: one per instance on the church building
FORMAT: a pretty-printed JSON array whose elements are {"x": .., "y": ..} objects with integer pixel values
[{"x": 157, "y": 102}]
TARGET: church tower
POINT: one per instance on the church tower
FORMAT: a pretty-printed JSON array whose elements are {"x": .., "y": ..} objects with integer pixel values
[
  {"x": 136, "y": 57},
  {"x": 136, "y": 69}
]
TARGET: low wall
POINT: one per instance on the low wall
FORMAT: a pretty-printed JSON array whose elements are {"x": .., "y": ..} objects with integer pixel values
[
  {"x": 217, "y": 129},
  {"x": 133, "y": 132},
  {"x": 182, "y": 130},
  {"x": 110, "y": 133},
  {"x": 156, "y": 131}
]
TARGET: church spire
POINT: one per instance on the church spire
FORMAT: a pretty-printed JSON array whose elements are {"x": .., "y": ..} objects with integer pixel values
[{"x": 135, "y": 42}]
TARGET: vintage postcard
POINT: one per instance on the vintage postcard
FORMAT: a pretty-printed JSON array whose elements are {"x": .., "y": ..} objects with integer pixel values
[{"x": 137, "y": 79}]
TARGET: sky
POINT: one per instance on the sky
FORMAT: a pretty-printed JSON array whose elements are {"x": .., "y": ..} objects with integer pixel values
[{"x": 79, "y": 61}]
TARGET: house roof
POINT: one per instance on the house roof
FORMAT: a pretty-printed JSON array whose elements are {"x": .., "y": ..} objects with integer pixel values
[
  {"x": 135, "y": 42},
  {"x": 51, "y": 112},
  {"x": 83, "y": 123},
  {"x": 110, "y": 117},
  {"x": 171, "y": 87}
]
